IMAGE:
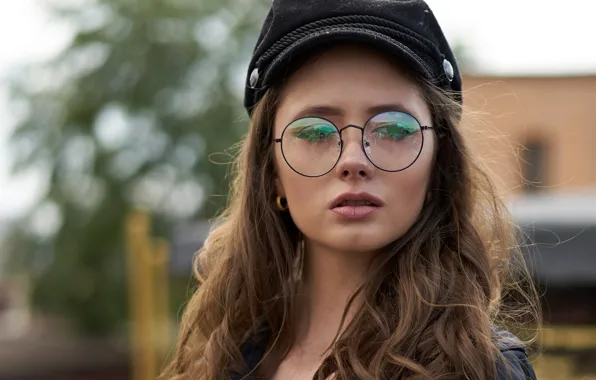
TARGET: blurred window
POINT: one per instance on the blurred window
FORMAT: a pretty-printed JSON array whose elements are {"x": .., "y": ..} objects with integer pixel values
[{"x": 534, "y": 165}]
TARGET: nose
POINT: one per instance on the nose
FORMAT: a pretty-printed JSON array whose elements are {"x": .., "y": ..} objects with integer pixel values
[{"x": 353, "y": 163}]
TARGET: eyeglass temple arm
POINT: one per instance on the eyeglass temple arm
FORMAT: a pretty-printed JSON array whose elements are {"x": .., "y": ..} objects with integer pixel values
[{"x": 440, "y": 133}]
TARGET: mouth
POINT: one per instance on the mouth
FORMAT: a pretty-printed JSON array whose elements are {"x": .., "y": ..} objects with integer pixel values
[
  {"x": 355, "y": 203},
  {"x": 355, "y": 200}
]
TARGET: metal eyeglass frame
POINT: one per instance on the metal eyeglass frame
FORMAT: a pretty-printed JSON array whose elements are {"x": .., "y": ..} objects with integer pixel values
[{"x": 341, "y": 142}]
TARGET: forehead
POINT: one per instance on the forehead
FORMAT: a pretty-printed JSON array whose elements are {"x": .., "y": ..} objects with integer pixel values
[{"x": 352, "y": 82}]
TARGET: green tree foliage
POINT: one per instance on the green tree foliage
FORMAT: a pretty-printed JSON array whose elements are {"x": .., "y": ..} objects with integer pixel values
[{"x": 128, "y": 115}]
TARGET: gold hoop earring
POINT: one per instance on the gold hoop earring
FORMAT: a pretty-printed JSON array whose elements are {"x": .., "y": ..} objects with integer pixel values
[{"x": 282, "y": 203}]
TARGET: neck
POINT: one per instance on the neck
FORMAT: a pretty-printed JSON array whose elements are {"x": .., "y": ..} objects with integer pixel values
[{"x": 330, "y": 279}]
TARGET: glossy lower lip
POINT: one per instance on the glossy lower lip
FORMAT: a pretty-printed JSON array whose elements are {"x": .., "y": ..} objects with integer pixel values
[{"x": 354, "y": 212}]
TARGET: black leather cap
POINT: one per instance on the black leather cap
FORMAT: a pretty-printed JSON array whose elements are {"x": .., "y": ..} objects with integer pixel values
[{"x": 406, "y": 29}]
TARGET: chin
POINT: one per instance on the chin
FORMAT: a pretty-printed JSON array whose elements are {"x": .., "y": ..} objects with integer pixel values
[
  {"x": 358, "y": 242},
  {"x": 356, "y": 237}
]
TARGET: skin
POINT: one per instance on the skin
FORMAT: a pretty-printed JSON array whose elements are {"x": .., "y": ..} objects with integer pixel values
[{"x": 351, "y": 81}]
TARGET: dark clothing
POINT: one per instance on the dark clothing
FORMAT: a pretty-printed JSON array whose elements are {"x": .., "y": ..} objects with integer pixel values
[
  {"x": 516, "y": 358},
  {"x": 512, "y": 349}
]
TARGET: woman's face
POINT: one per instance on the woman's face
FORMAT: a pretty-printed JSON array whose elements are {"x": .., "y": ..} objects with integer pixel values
[{"x": 355, "y": 206}]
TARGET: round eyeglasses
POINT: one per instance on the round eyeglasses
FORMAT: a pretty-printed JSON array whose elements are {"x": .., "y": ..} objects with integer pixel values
[{"x": 392, "y": 142}]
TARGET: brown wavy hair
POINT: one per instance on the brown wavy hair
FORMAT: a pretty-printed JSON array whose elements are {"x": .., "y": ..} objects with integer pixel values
[{"x": 432, "y": 297}]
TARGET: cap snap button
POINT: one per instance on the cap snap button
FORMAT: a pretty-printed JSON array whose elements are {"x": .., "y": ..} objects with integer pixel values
[
  {"x": 254, "y": 78},
  {"x": 448, "y": 68}
]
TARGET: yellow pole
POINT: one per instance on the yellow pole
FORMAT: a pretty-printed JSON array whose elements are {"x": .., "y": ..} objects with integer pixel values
[
  {"x": 147, "y": 321},
  {"x": 161, "y": 290},
  {"x": 135, "y": 228},
  {"x": 141, "y": 297}
]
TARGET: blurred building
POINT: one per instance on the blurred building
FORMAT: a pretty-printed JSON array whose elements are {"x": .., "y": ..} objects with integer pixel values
[{"x": 537, "y": 136}]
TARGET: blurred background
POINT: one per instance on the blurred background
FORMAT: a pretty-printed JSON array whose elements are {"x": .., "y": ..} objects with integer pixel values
[{"x": 117, "y": 119}]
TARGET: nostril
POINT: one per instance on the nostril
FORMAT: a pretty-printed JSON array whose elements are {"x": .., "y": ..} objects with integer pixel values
[{"x": 360, "y": 173}]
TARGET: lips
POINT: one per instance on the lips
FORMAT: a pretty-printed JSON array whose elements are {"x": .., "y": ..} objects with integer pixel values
[
  {"x": 356, "y": 199},
  {"x": 355, "y": 205}
]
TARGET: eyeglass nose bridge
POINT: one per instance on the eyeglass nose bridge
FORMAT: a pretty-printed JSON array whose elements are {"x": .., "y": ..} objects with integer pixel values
[{"x": 363, "y": 144}]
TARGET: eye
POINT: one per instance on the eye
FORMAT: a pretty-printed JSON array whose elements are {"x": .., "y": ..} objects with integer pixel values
[
  {"x": 393, "y": 130},
  {"x": 314, "y": 132}
]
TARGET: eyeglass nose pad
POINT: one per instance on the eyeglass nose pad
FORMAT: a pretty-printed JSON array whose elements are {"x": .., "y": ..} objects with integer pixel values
[{"x": 366, "y": 146}]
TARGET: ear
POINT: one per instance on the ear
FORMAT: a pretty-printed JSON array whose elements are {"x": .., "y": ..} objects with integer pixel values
[{"x": 279, "y": 189}]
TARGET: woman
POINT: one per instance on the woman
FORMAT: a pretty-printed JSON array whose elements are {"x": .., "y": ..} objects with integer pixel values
[{"x": 361, "y": 240}]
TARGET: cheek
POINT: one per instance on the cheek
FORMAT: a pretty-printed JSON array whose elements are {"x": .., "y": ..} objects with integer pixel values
[
  {"x": 304, "y": 197},
  {"x": 420, "y": 174},
  {"x": 408, "y": 196},
  {"x": 409, "y": 190},
  {"x": 299, "y": 191},
  {"x": 295, "y": 187}
]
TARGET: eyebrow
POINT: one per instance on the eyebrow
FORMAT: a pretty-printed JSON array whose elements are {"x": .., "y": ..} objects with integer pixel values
[{"x": 328, "y": 110}]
